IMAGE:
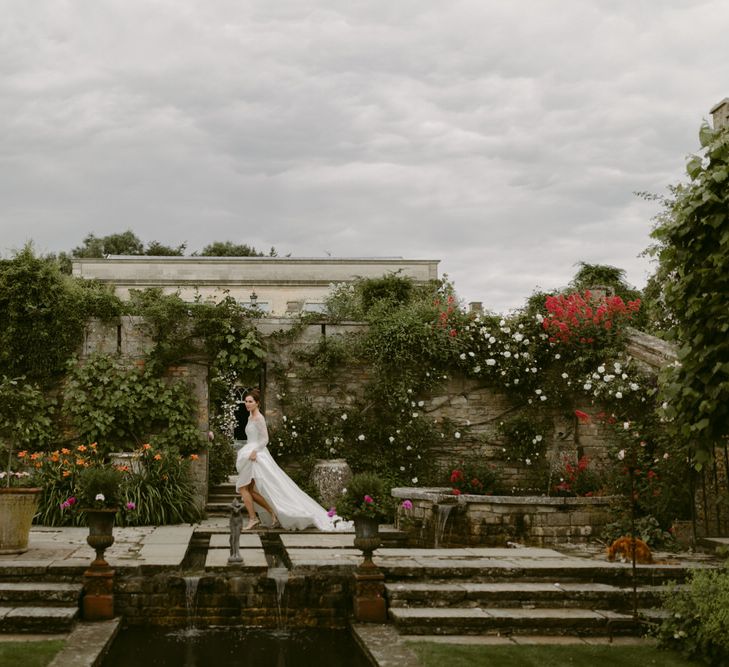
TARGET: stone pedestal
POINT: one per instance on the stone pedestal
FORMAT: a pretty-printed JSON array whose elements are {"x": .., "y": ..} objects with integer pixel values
[
  {"x": 369, "y": 595},
  {"x": 98, "y": 600}
]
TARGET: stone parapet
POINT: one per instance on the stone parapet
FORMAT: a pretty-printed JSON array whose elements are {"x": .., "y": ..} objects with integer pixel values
[{"x": 439, "y": 517}]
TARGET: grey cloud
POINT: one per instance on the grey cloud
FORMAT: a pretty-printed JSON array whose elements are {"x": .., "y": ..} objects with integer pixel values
[{"x": 506, "y": 139}]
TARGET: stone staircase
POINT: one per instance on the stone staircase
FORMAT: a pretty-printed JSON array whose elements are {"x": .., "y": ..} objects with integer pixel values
[
  {"x": 43, "y": 607},
  {"x": 219, "y": 497},
  {"x": 583, "y": 601}
]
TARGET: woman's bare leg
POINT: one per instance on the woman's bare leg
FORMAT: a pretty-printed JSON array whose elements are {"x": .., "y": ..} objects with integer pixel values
[
  {"x": 258, "y": 498},
  {"x": 247, "y": 496}
]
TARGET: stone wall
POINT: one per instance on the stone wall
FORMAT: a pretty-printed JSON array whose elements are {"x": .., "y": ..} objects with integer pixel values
[
  {"x": 441, "y": 519},
  {"x": 321, "y": 600},
  {"x": 470, "y": 408},
  {"x": 127, "y": 340}
]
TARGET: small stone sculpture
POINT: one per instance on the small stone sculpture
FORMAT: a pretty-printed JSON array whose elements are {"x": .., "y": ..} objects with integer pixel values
[{"x": 236, "y": 524}]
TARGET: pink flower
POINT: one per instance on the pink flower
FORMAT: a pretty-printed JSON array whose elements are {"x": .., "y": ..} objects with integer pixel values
[
  {"x": 131, "y": 506},
  {"x": 332, "y": 512},
  {"x": 407, "y": 505},
  {"x": 368, "y": 500}
]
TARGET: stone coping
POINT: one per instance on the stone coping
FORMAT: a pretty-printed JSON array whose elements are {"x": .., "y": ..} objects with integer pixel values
[
  {"x": 442, "y": 495},
  {"x": 87, "y": 644}
]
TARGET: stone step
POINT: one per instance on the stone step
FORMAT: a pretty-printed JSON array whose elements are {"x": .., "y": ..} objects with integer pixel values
[
  {"x": 217, "y": 508},
  {"x": 489, "y": 620},
  {"x": 487, "y": 571},
  {"x": 41, "y": 620},
  {"x": 518, "y": 594},
  {"x": 40, "y": 594},
  {"x": 217, "y": 499}
]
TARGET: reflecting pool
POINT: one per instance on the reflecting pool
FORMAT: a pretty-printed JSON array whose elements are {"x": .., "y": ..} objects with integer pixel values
[{"x": 235, "y": 647}]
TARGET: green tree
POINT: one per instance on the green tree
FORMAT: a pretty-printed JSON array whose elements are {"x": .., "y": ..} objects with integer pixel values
[
  {"x": 126, "y": 243},
  {"x": 230, "y": 249},
  {"x": 44, "y": 313},
  {"x": 693, "y": 254},
  {"x": 158, "y": 249}
]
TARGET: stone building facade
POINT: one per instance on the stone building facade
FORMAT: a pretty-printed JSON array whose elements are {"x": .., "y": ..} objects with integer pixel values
[{"x": 276, "y": 285}]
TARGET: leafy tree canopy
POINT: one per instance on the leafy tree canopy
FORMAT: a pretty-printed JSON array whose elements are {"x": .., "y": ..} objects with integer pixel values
[
  {"x": 230, "y": 249},
  {"x": 693, "y": 253},
  {"x": 44, "y": 313},
  {"x": 159, "y": 250},
  {"x": 126, "y": 243}
]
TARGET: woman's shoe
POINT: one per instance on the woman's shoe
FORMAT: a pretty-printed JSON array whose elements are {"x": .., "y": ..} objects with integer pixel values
[
  {"x": 252, "y": 524},
  {"x": 276, "y": 523}
]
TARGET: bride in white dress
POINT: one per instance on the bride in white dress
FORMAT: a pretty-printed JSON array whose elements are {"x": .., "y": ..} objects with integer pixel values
[{"x": 262, "y": 482}]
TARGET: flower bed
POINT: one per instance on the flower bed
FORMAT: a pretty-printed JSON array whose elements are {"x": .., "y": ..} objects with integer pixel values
[{"x": 437, "y": 516}]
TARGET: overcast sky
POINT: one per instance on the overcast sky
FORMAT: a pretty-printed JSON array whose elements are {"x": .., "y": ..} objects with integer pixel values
[{"x": 504, "y": 138}]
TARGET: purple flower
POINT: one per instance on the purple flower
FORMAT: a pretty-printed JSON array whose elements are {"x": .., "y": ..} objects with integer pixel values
[
  {"x": 368, "y": 500},
  {"x": 131, "y": 506},
  {"x": 407, "y": 505},
  {"x": 332, "y": 512}
]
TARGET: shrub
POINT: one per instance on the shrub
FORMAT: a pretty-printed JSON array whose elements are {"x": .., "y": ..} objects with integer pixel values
[
  {"x": 99, "y": 486},
  {"x": 647, "y": 528},
  {"x": 698, "y": 624},
  {"x": 162, "y": 492},
  {"x": 365, "y": 496},
  {"x": 579, "y": 479},
  {"x": 473, "y": 477}
]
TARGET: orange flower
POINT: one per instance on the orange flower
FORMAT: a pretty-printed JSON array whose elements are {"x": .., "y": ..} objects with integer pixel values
[
  {"x": 82, "y": 448},
  {"x": 80, "y": 462},
  {"x": 93, "y": 445},
  {"x": 35, "y": 455},
  {"x": 23, "y": 454},
  {"x": 194, "y": 457},
  {"x": 158, "y": 457},
  {"x": 38, "y": 464},
  {"x": 66, "y": 473},
  {"x": 65, "y": 451},
  {"x": 54, "y": 457},
  {"x": 146, "y": 446},
  {"x": 123, "y": 468}
]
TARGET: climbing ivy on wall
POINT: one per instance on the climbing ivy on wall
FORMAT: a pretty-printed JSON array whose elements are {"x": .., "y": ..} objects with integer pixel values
[
  {"x": 694, "y": 258},
  {"x": 44, "y": 313},
  {"x": 122, "y": 407}
]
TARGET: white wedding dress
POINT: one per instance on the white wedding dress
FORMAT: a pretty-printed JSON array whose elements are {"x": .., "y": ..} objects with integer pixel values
[{"x": 294, "y": 508}]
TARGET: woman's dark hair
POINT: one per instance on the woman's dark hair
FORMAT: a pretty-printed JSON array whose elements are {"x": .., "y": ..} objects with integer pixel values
[{"x": 255, "y": 393}]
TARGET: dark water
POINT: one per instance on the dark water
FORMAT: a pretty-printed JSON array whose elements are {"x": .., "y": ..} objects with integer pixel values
[{"x": 235, "y": 647}]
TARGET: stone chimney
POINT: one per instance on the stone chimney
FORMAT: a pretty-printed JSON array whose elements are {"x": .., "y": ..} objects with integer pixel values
[
  {"x": 720, "y": 114},
  {"x": 476, "y": 307}
]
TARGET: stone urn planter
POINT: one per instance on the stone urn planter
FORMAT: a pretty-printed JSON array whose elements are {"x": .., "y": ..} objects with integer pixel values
[
  {"x": 17, "y": 509},
  {"x": 330, "y": 477},
  {"x": 101, "y": 532},
  {"x": 366, "y": 537}
]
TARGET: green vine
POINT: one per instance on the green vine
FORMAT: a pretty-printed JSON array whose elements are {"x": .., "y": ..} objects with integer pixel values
[
  {"x": 121, "y": 408},
  {"x": 694, "y": 258}
]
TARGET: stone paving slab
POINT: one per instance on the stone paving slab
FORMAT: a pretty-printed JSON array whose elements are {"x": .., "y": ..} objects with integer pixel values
[
  {"x": 326, "y": 557},
  {"x": 385, "y": 646},
  {"x": 87, "y": 644},
  {"x": 170, "y": 535},
  {"x": 318, "y": 541}
]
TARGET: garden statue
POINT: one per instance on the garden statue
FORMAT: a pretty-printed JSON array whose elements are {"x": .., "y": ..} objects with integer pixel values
[{"x": 236, "y": 524}]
